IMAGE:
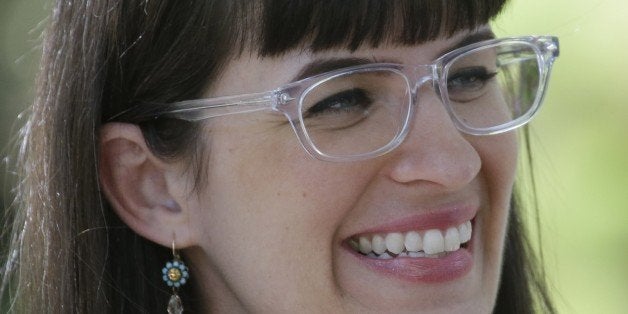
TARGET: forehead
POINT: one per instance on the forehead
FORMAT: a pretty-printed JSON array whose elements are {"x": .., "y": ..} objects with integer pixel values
[{"x": 251, "y": 73}]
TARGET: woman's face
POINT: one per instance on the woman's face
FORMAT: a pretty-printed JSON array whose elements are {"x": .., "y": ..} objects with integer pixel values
[{"x": 279, "y": 230}]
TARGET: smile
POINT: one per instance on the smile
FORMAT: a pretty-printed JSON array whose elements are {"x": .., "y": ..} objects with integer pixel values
[{"x": 431, "y": 243}]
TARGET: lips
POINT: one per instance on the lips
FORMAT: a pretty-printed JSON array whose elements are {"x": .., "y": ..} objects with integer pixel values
[{"x": 433, "y": 247}]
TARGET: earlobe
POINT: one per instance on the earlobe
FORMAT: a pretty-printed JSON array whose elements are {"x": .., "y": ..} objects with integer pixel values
[{"x": 135, "y": 182}]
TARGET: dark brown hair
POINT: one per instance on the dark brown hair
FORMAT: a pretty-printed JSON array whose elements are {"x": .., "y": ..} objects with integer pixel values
[{"x": 69, "y": 252}]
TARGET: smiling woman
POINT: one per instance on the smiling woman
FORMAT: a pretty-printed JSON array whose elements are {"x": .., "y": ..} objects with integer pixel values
[{"x": 297, "y": 156}]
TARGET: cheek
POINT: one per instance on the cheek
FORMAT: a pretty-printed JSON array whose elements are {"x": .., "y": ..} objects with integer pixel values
[
  {"x": 265, "y": 198},
  {"x": 273, "y": 175},
  {"x": 499, "y": 162},
  {"x": 499, "y": 154}
]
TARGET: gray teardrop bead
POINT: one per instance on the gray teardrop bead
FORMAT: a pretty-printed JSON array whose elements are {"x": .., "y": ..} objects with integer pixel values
[{"x": 174, "y": 305}]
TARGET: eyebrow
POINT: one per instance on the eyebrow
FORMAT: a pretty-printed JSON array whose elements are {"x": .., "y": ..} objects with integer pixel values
[
  {"x": 482, "y": 35},
  {"x": 326, "y": 65}
]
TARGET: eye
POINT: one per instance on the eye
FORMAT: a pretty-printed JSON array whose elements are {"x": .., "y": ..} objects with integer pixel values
[
  {"x": 348, "y": 101},
  {"x": 469, "y": 79}
]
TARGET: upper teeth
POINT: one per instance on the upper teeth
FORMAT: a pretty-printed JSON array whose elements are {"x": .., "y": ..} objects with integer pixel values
[{"x": 430, "y": 242}]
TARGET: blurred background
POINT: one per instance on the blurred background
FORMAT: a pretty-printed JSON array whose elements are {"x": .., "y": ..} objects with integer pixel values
[
  {"x": 580, "y": 149},
  {"x": 580, "y": 139}
]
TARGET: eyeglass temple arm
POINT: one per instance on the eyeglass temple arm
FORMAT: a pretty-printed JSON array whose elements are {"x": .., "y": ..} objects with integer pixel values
[
  {"x": 551, "y": 45},
  {"x": 199, "y": 109}
]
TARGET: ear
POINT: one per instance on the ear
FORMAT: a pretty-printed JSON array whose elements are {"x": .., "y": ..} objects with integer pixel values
[{"x": 143, "y": 189}]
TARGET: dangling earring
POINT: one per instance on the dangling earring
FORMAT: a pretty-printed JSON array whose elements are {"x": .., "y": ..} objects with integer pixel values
[{"x": 175, "y": 274}]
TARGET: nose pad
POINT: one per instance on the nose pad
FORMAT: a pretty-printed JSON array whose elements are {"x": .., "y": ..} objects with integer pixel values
[
  {"x": 433, "y": 87},
  {"x": 419, "y": 83},
  {"x": 430, "y": 94},
  {"x": 434, "y": 149}
]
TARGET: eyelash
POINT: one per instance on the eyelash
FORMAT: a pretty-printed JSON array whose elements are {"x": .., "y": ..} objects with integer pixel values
[
  {"x": 356, "y": 97},
  {"x": 476, "y": 74}
]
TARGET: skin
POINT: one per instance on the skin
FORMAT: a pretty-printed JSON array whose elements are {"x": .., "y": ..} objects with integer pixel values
[{"x": 266, "y": 233}]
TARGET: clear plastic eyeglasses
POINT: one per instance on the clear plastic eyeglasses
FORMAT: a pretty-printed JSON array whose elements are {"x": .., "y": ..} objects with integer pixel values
[{"x": 364, "y": 111}]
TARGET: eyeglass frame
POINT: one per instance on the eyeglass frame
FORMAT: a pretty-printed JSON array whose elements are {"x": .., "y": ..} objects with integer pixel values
[{"x": 281, "y": 99}]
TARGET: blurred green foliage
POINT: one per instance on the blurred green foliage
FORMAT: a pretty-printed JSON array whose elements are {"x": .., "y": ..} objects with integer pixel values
[
  {"x": 580, "y": 140},
  {"x": 21, "y": 24},
  {"x": 580, "y": 149}
]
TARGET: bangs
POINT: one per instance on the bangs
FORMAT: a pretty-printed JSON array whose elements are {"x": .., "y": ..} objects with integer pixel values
[
  {"x": 165, "y": 51},
  {"x": 349, "y": 24}
]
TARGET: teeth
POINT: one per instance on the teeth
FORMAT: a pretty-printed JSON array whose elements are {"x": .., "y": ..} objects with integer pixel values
[
  {"x": 364, "y": 245},
  {"x": 465, "y": 231},
  {"x": 416, "y": 254},
  {"x": 354, "y": 245},
  {"x": 394, "y": 243},
  {"x": 379, "y": 244},
  {"x": 413, "y": 242},
  {"x": 452, "y": 240},
  {"x": 431, "y": 243}
]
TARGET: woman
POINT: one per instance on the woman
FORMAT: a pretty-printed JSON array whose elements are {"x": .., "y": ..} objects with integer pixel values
[{"x": 345, "y": 156}]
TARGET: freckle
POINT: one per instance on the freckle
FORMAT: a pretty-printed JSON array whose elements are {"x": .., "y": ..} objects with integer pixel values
[
  {"x": 278, "y": 193},
  {"x": 304, "y": 195}
]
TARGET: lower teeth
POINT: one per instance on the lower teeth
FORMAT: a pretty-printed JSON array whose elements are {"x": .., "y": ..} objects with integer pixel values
[{"x": 387, "y": 255}]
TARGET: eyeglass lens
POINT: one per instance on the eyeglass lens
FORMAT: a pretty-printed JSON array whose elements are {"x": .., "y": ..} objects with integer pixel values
[
  {"x": 361, "y": 112},
  {"x": 356, "y": 113},
  {"x": 494, "y": 85}
]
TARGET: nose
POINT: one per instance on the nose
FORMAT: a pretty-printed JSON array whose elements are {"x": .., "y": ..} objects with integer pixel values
[{"x": 434, "y": 150}]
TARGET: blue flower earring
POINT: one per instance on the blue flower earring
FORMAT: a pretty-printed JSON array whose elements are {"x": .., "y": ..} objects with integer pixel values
[{"x": 175, "y": 274}]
